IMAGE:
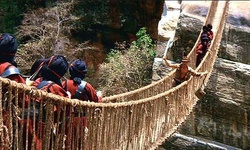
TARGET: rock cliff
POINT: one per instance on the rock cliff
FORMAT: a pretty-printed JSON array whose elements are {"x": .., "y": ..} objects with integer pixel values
[{"x": 223, "y": 114}]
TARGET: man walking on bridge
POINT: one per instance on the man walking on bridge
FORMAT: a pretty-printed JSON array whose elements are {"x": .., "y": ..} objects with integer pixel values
[{"x": 183, "y": 71}]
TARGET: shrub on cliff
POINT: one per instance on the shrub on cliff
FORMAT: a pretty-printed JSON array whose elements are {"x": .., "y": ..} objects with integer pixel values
[{"x": 130, "y": 69}]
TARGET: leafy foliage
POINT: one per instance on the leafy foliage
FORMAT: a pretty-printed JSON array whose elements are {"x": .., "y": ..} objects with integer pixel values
[
  {"x": 11, "y": 13},
  {"x": 128, "y": 71},
  {"x": 96, "y": 10},
  {"x": 10, "y": 18}
]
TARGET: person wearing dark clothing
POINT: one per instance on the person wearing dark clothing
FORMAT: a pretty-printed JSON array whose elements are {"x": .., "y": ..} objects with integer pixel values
[
  {"x": 183, "y": 71},
  {"x": 201, "y": 50},
  {"x": 204, "y": 33}
]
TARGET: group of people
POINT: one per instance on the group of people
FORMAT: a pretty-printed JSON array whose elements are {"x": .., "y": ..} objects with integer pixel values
[
  {"x": 183, "y": 71},
  {"x": 47, "y": 75},
  {"x": 205, "y": 38}
]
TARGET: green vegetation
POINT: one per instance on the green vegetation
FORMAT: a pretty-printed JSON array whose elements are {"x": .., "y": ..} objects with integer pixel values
[
  {"x": 96, "y": 10},
  {"x": 11, "y": 13},
  {"x": 9, "y": 17},
  {"x": 129, "y": 70}
]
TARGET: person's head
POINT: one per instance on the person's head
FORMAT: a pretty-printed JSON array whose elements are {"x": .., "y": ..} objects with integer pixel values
[
  {"x": 78, "y": 68},
  {"x": 185, "y": 59},
  {"x": 8, "y": 48},
  {"x": 37, "y": 64},
  {"x": 184, "y": 54},
  {"x": 55, "y": 68},
  {"x": 209, "y": 27},
  {"x": 204, "y": 28}
]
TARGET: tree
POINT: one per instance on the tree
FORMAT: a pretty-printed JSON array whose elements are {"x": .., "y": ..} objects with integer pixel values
[{"x": 46, "y": 32}]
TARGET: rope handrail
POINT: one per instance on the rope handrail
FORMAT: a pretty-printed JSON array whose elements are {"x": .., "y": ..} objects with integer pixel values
[{"x": 141, "y": 123}]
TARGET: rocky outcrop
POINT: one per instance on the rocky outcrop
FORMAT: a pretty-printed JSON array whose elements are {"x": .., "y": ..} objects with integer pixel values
[
  {"x": 117, "y": 21},
  {"x": 167, "y": 26},
  {"x": 230, "y": 82},
  {"x": 235, "y": 44},
  {"x": 223, "y": 114}
]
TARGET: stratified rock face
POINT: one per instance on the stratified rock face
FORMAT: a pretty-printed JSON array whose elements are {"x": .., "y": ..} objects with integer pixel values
[
  {"x": 230, "y": 82},
  {"x": 223, "y": 114},
  {"x": 190, "y": 23},
  {"x": 236, "y": 43}
]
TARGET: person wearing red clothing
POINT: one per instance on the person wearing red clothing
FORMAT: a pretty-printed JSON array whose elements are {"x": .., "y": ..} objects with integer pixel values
[
  {"x": 53, "y": 69},
  {"x": 201, "y": 50},
  {"x": 14, "y": 76},
  {"x": 8, "y": 69},
  {"x": 183, "y": 71},
  {"x": 79, "y": 89},
  {"x": 210, "y": 32},
  {"x": 78, "y": 70}
]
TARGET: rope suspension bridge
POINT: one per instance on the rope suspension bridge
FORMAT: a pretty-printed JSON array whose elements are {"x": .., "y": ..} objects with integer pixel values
[{"x": 139, "y": 119}]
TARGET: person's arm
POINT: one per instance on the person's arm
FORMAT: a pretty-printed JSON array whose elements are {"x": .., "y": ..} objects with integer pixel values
[
  {"x": 92, "y": 94},
  {"x": 58, "y": 90},
  {"x": 174, "y": 66},
  {"x": 194, "y": 73},
  {"x": 210, "y": 35},
  {"x": 199, "y": 49},
  {"x": 99, "y": 95}
]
